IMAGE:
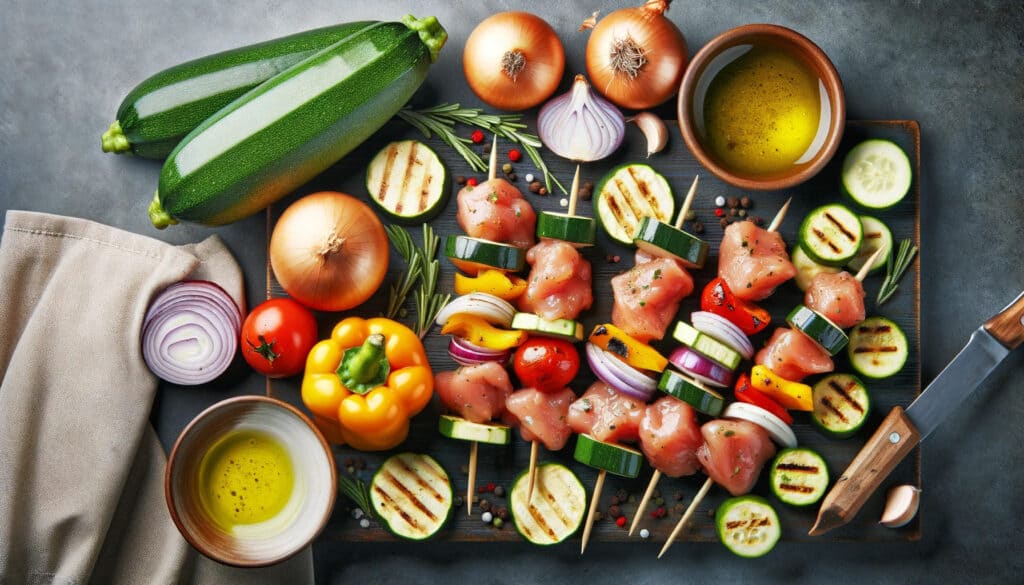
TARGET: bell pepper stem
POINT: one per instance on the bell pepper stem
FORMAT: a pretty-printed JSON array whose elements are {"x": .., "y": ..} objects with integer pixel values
[{"x": 365, "y": 367}]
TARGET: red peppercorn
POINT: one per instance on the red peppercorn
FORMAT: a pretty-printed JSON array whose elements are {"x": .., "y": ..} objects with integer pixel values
[
  {"x": 472, "y": 182},
  {"x": 490, "y": 487},
  {"x": 514, "y": 155},
  {"x": 481, "y": 489},
  {"x": 620, "y": 521},
  {"x": 719, "y": 212},
  {"x": 477, "y": 136}
]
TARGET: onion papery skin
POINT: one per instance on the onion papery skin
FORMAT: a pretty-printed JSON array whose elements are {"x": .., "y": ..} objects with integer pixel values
[
  {"x": 542, "y": 53},
  {"x": 663, "y": 46},
  {"x": 581, "y": 125}
]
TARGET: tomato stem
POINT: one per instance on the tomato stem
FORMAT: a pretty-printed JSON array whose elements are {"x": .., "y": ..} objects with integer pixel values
[{"x": 265, "y": 349}]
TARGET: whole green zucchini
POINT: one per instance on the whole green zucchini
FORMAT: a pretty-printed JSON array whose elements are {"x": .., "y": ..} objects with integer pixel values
[
  {"x": 160, "y": 111},
  {"x": 284, "y": 132}
]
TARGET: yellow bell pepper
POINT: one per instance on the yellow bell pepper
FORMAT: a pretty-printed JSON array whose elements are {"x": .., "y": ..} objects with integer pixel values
[
  {"x": 621, "y": 344},
  {"x": 495, "y": 282},
  {"x": 791, "y": 395},
  {"x": 479, "y": 332},
  {"x": 366, "y": 381}
]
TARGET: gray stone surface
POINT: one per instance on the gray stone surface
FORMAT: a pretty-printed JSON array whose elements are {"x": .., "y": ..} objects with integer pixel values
[{"x": 956, "y": 67}]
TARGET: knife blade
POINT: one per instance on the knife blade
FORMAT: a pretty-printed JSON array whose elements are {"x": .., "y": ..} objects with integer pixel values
[{"x": 901, "y": 430}]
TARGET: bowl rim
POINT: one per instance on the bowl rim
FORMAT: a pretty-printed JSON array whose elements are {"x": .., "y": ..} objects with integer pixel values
[
  {"x": 833, "y": 85},
  {"x": 210, "y": 411}
]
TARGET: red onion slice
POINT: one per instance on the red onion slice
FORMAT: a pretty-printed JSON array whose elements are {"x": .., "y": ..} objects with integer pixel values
[
  {"x": 700, "y": 367},
  {"x": 619, "y": 375},
  {"x": 190, "y": 333},
  {"x": 723, "y": 330},
  {"x": 468, "y": 354}
]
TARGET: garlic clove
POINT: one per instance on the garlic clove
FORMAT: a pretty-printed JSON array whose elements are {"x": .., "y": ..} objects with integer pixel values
[
  {"x": 901, "y": 506},
  {"x": 654, "y": 130}
]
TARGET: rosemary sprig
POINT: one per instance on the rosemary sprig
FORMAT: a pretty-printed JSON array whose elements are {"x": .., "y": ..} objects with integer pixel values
[
  {"x": 399, "y": 291},
  {"x": 355, "y": 490},
  {"x": 422, "y": 267},
  {"x": 894, "y": 270},
  {"x": 440, "y": 120}
]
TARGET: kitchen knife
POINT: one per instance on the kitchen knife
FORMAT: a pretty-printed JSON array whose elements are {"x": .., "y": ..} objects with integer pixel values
[{"x": 902, "y": 430}]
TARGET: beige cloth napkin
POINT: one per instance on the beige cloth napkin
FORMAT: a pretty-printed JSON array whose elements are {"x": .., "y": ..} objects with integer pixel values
[{"x": 81, "y": 469}]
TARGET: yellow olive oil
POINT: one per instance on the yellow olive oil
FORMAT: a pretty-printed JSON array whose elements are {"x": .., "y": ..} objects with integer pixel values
[
  {"x": 762, "y": 112},
  {"x": 245, "y": 478}
]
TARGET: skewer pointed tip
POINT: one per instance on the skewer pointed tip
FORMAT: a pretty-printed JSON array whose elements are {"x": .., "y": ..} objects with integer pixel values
[
  {"x": 864, "y": 270},
  {"x": 492, "y": 167},
  {"x": 687, "y": 202},
  {"x": 574, "y": 191},
  {"x": 780, "y": 215}
]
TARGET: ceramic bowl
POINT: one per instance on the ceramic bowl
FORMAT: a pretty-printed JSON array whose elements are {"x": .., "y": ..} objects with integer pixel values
[
  {"x": 301, "y": 518},
  {"x": 730, "y": 45}
]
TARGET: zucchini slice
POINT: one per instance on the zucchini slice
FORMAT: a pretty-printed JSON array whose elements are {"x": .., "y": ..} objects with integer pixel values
[
  {"x": 807, "y": 269},
  {"x": 691, "y": 392},
  {"x": 578, "y": 230},
  {"x": 876, "y": 235},
  {"x": 628, "y": 194},
  {"x": 608, "y": 456},
  {"x": 748, "y": 526},
  {"x": 876, "y": 174},
  {"x": 455, "y": 427},
  {"x": 566, "y": 329},
  {"x": 471, "y": 255},
  {"x": 557, "y": 508},
  {"x": 706, "y": 345},
  {"x": 878, "y": 348},
  {"x": 831, "y": 234},
  {"x": 407, "y": 181},
  {"x": 819, "y": 328},
  {"x": 661, "y": 239},
  {"x": 799, "y": 476},
  {"x": 412, "y": 495},
  {"x": 841, "y": 405}
]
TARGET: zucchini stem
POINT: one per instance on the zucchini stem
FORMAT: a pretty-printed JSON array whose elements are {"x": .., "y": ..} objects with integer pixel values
[
  {"x": 158, "y": 216},
  {"x": 432, "y": 34},
  {"x": 114, "y": 140}
]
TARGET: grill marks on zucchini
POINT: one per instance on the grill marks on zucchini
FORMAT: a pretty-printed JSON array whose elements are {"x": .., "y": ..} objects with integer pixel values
[
  {"x": 556, "y": 509},
  {"x": 407, "y": 181},
  {"x": 841, "y": 404},
  {"x": 831, "y": 234},
  {"x": 627, "y": 195},
  {"x": 412, "y": 495}
]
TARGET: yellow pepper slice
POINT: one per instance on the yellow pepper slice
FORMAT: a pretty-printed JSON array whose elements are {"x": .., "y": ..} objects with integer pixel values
[
  {"x": 623, "y": 346},
  {"x": 791, "y": 395},
  {"x": 479, "y": 332},
  {"x": 495, "y": 282}
]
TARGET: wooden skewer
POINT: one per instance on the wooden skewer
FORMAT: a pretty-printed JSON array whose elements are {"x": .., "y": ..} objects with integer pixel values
[
  {"x": 644, "y": 501},
  {"x": 862, "y": 274},
  {"x": 492, "y": 166},
  {"x": 780, "y": 216},
  {"x": 594, "y": 500},
  {"x": 534, "y": 448},
  {"x": 574, "y": 192},
  {"x": 472, "y": 478},
  {"x": 687, "y": 203},
  {"x": 686, "y": 516}
]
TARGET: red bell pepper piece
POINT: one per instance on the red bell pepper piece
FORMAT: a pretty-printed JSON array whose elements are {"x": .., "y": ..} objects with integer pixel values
[
  {"x": 746, "y": 393},
  {"x": 718, "y": 299}
]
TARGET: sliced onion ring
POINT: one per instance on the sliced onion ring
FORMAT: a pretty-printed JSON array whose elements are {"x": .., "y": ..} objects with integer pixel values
[
  {"x": 700, "y": 367},
  {"x": 723, "y": 330},
  {"x": 494, "y": 310},
  {"x": 190, "y": 333},
  {"x": 468, "y": 354},
  {"x": 620, "y": 375},
  {"x": 773, "y": 425}
]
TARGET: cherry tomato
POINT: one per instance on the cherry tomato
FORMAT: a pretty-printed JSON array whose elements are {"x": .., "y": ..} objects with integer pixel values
[
  {"x": 276, "y": 337},
  {"x": 546, "y": 364},
  {"x": 746, "y": 393},
  {"x": 718, "y": 299}
]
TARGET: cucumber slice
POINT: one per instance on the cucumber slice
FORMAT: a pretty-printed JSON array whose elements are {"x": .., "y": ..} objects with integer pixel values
[
  {"x": 455, "y": 427},
  {"x": 471, "y": 255},
  {"x": 577, "y": 230},
  {"x": 706, "y": 345},
  {"x": 608, "y": 456},
  {"x": 841, "y": 405},
  {"x": 878, "y": 348},
  {"x": 876, "y": 235},
  {"x": 748, "y": 526},
  {"x": 691, "y": 392},
  {"x": 412, "y": 495},
  {"x": 831, "y": 234},
  {"x": 566, "y": 329},
  {"x": 628, "y": 194},
  {"x": 775, "y": 426},
  {"x": 807, "y": 269},
  {"x": 876, "y": 174},
  {"x": 819, "y": 328},
  {"x": 407, "y": 181},
  {"x": 661, "y": 239},
  {"x": 799, "y": 476},
  {"x": 557, "y": 509}
]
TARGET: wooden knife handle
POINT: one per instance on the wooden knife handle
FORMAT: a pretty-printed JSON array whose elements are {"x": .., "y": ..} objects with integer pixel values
[
  {"x": 1008, "y": 325},
  {"x": 894, "y": 439}
]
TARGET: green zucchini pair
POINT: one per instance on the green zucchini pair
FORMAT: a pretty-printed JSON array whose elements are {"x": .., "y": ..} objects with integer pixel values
[{"x": 243, "y": 128}]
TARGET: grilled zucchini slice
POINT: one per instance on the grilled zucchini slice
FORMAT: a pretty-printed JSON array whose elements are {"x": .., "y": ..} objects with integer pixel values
[
  {"x": 799, "y": 476},
  {"x": 841, "y": 405},
  {"x": 831, "y": 234},
  {"x": 557, "y": 508},
  {"x": 627, "y": 195},
  {"x": 878, "y": 348},
  {"x": 412, "y": 495},
  {"x": 407, "y": 181}
]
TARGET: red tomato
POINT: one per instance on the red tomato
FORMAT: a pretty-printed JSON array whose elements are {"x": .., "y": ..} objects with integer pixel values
[
  {"x": 546, "y": 364},
  {"x": 276, "y": 337}
]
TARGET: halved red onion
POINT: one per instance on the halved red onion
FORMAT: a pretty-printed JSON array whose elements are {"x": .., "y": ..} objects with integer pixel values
[
  {"x": 723, "y": 330},
  {"x": 468, "y": 354},
  {"x": 620, "y": 375},
  {"x": 580, "y": 125},
  {"x": 190, "y": 333},
  {"x": 700, "y": 367}
]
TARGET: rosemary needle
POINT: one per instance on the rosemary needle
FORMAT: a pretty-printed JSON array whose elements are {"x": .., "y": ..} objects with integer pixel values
[
  {"x": 355, "y": 490},
  {"x": 894, "y": 269}
]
